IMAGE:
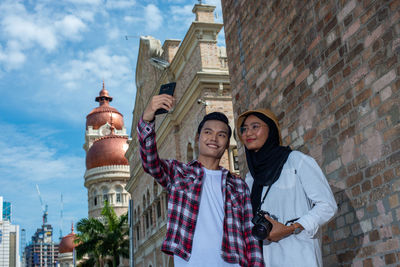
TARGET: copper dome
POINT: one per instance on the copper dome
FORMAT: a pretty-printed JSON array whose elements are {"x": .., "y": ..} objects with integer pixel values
[
  {"x": 67, "y": 243},
  {"x": 104, "y": 113},
  {"x": 106, "y": 151}
]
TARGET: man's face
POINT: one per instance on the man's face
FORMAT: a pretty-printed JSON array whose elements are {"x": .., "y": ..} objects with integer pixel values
[{"x": 213, "y": 139}]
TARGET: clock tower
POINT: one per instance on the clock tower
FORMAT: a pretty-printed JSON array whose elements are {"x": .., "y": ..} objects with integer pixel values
[{"x": 107, "y": 169}]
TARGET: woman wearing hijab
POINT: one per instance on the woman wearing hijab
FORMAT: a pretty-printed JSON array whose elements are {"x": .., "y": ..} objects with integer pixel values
[{"x": 291, "y": 187}]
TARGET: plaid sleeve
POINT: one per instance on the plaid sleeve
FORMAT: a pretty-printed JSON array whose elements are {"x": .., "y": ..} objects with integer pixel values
[
  {"x": 152, "y": 164},
  {"x": 253, "y": 249}
]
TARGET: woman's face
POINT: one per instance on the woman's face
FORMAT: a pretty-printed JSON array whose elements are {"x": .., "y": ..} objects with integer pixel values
[{"x": 254, "y": 133}]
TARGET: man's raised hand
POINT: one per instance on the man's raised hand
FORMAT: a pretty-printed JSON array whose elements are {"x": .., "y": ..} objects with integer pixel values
[{"x": 158, "y": 101}]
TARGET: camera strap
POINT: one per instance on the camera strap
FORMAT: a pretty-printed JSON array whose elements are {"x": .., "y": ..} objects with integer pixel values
[{"x": 265, "y": 195}]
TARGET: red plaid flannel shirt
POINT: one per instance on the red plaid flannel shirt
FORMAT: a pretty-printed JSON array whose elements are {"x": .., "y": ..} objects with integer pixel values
[{"x": 183, "y": 183}]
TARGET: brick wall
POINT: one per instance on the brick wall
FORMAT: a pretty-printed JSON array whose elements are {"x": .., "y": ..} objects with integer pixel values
[{"x": 329, "y": 70}]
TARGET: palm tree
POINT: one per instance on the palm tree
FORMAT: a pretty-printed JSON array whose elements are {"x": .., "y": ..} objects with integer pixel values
[
  {"x": 104, "y": 238},
  {"x": 116, "y": 242}
]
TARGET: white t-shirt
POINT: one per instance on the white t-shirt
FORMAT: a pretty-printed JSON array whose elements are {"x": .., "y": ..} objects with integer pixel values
[
  {"x": 303, "y": 192},
  {"x": 207, "y": 238}
]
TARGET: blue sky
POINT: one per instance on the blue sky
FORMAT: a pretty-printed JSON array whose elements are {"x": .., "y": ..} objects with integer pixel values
[{"x": 54, "y": 56}]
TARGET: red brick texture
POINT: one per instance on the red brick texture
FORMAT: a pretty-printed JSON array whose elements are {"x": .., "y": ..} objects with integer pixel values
[{"x": 330, "y": 71}]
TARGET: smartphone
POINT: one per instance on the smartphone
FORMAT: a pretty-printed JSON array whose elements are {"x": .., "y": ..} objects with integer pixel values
[{"x": 168, "y": 89}]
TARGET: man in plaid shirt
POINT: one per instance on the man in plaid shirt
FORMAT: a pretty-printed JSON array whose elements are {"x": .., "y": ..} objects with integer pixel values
[{"x": 209, "y": 209}]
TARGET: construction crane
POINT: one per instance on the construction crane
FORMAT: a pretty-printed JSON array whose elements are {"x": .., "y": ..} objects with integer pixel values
[{"x": 44, "y": 207}]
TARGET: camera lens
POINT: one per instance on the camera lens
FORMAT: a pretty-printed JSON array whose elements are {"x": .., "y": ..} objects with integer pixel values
[{"x": 259, "y": 232}]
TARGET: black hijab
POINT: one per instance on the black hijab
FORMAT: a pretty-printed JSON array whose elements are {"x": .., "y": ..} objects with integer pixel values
[{"x": 266, "y": 164}]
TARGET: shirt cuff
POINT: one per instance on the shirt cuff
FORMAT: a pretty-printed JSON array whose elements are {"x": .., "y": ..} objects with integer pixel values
[
  {"x": 309, "y": 228},
  {"x": 145, "y": 128}
]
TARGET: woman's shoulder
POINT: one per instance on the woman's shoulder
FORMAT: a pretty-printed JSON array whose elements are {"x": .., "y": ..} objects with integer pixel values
[{"x": 297, "y": 158}]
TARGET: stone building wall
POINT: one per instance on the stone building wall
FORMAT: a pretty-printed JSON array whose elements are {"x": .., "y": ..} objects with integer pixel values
[{"x": 329, "y": 70}]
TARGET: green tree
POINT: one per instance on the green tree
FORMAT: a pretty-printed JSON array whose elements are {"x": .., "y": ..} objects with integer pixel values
[{"x": 103, "y": 239}]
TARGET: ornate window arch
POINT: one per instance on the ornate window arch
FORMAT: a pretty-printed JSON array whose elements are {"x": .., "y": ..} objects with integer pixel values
[
  {"x": 118, "y": 194},
  {"x": 95, "y": 197},
  {"x": 105, "y": 191}
]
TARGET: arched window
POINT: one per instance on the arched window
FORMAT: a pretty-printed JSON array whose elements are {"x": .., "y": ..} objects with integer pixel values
[
  {"x": 158, "y": 208},
  {"x": 105, "y": 193},
  {"x": 94, "y": 194},
  {"x": 151, "y": 216},
  {"x": 118, "y": 194},
  {"x": 138, "y": 232},
  {"x": 148, "y": 198},
  {"x": 147, "y": 220},
  {"x": 144, "y": 202},
  {"x": 189, "y": 153}
]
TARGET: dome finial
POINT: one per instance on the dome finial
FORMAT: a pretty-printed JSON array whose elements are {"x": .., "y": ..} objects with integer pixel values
[
  {"x": 103, "y": 97},
  {"x": 112, "y": 123},
  {"x": 72, "y": 227}
]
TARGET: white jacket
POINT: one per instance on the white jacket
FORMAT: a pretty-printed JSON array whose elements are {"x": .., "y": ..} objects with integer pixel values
[{"x": 303, "y": 192}]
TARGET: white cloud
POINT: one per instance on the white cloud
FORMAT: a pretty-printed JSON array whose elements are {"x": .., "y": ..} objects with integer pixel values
[
  {"x": 153, "y": 17},
  {"x": 11, "y": 57},
  {"x": 130, "y": 19},
  {"x": 26, "y": 158},
  {"x": 120, "y": 4},
  {"x": 86, "y": 2},
  {"x": 98, "y": 64},
  {"x": 39, "y": 28},
  {"x": 183, "y": 15},
  {"x": 27, "y": 32},
  {"x": 78, "y": 81},
  {"x": 114, "y": 33},
  {"x": 70, "y": 27}
]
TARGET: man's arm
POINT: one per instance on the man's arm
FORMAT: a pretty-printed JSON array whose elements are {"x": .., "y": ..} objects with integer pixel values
[
  {"x": 161, "y": 170},
  {"x": 253, "y": 250}
]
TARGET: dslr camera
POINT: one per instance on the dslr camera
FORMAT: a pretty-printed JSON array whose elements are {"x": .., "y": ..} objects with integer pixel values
[{"x": 262, "y": 227}]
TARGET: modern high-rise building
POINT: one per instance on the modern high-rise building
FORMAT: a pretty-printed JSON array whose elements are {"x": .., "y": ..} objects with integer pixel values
[
  {"x": 9, "y": 238},
  {"x": 6, "y": 211},
  {"x": 42, "y": 251}
]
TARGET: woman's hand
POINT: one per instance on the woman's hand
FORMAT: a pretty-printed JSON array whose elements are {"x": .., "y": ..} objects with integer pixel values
[
  {"x": 279, "y": 230},
  {"x": 158, "y": 101}
]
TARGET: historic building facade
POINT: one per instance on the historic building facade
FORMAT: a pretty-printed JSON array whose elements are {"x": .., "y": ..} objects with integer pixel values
[
  {"x": 107, "y": 169},
  {"x": 330, "y": 71},
  {"x": 199, "y": 68}
]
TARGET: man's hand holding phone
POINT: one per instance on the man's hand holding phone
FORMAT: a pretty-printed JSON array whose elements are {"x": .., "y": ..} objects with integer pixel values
[{"x": 161, "y": 103}]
